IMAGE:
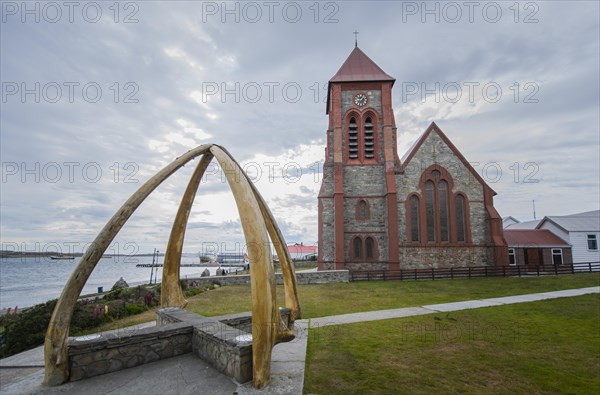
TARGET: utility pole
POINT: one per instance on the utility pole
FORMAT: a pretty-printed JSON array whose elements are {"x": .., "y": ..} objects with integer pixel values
[
  {"x": 152, "y": 267},
  {"x": 156, "y": 271}
]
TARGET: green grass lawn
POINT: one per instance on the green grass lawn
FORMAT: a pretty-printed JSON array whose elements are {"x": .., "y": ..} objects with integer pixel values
[
  {"x": 545, "y": 347},
  {"x": 341, "y": 298}
]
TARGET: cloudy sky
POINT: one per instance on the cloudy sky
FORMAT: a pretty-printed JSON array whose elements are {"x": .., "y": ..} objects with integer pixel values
[{"x": 98, "y": 96}]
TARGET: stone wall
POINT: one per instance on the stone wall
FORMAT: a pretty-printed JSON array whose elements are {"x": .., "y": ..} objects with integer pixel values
[
  {"x": 479, "y": 251},
  {"x": 224, "y": 342},
  {"x": 417, "y": 257},
  {"x": 112, "y": 352},
  {"x": 320, "y": 277},
  {"x": 327, "y": 242},
  {"x": 226, "y": 348}
]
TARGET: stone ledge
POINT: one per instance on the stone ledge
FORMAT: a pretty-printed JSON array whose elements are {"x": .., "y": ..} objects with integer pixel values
[
  {"x": 224, "y": 342},
  {"x": 302, "y": 278},
  {"x": 111, "y": 352},
  {"x": 78, "y": 345},
  {"x": 226, "y": 348}
]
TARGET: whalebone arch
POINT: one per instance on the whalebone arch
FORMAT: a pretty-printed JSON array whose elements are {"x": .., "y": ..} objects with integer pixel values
[{"x": 258, "y": 225}]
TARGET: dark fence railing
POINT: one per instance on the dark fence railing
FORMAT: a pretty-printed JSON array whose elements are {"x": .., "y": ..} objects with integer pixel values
[{"x": 474, "y": 271}]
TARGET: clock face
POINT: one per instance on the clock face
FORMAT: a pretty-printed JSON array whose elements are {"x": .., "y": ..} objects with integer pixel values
[{"x": 360, "y": 100}]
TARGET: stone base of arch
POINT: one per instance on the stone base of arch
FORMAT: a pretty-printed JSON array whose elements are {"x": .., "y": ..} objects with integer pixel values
[{"x": 224, "y": 342}]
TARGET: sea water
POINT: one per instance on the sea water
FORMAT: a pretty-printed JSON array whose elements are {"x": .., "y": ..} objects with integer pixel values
[{"x": 26, "y": 281}]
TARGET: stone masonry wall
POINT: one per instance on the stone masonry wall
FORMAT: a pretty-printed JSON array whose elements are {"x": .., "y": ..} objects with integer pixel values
[
  {"x": 320, "y": 277},
  {"x": 112, "y": 352},
  {"x": 435, "y": 151},
  {"x": 443, "y": 257},
  {"x": 328, "y": 232},
  {"x": 463, "y": 180},
  {"x": 216, "y": 343}
]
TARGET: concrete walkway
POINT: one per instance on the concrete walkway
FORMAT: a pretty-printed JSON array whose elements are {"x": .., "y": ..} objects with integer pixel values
[
  {"x": 187, "y": 374},
  {"x": 445, "y": 307}
]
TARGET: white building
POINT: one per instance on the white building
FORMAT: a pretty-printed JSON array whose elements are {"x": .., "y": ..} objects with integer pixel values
[
  {"x": 581, "y": 230},
  {"x": 508, "y": 224},
  {"x": 508, "y": 221}
]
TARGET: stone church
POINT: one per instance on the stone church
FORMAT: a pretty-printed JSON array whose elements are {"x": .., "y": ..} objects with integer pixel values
[{"x": 376, "y": 211}]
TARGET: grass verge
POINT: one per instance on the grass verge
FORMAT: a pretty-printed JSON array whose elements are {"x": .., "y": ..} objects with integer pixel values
[
  {"x": 544, "y": 347},
  {"x": 341, "y": 298}
]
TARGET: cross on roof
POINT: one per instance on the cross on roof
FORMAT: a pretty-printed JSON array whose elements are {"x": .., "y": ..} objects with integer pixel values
[{"x": 355, "y": 39}]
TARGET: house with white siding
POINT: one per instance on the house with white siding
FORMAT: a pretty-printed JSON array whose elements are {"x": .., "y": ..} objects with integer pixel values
[
  {"x": 531, "y": 224},
  {"x": 581, "y": 230},
  {"x": 508, "y": 221}
]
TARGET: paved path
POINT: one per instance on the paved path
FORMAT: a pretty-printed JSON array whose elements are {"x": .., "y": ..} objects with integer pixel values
[
  {"x": 445, "y": 307},
  {"x": 187, "y": 374}
]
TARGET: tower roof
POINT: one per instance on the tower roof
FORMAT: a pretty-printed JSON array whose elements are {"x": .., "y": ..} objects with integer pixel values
[{"x": 359, "y": 67}]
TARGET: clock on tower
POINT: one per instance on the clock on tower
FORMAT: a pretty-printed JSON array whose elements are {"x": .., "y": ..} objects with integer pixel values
[{"x": 360, "y": 99}]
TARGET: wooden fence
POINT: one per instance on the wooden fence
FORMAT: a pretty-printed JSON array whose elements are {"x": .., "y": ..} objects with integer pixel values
[{"x": 474, "y": 271}]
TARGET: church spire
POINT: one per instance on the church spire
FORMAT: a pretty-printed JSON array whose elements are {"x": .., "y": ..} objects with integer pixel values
[{"x": 359, "y": 67}]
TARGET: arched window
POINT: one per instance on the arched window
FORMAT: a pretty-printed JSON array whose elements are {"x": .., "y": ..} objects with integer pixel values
[
  {"x": 369, "y": 139},
  {"x": 414, "y": 218},
  {"x": 461, "y": 218},
  {"x": 357, "y": 248},
  {"x": 353, "y": 139},
  {"x": 443, "y": 216},
  {"x": 369, "y": 248},
  {"x": 430, "y": 210},
  {"x": 362, "y": 210},
  {"x": 443, "y": 207},
  {"x": 363, "y": 249},
  {"x": 361, "y": 137}
]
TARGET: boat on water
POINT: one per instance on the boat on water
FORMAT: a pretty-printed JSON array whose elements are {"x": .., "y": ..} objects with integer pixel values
[
  {"x": 232, "y": 259},
  {"x": 62, "y": 257}
]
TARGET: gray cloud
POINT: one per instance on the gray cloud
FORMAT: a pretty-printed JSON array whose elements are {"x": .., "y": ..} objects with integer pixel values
[{"x": 168, "y": 59}]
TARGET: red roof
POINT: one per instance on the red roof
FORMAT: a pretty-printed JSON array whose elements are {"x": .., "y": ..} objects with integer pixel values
[
  {"x": 533, "y": 238},
  {"x": 359, "y": 67},
  {"x": 301, "y": 249}
]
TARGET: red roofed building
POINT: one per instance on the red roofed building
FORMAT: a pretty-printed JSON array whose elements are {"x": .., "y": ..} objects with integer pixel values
[
  {"x": 376, "y": 211},
  {"x": 302, "y": 252},
  {"x": 535, "y": 247}
]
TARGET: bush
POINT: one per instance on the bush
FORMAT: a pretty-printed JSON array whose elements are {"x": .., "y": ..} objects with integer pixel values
[
  {"x": 133, "y": 309},
  {"x": 88, "y": 315},
  {"x": 194, "y": 291},
  {"x": 27, "y": 330}
]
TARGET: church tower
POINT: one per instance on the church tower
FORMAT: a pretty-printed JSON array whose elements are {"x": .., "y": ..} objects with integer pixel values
[
  {"x": 431, "y": 209},
  {"x": 358, "y": 214}
]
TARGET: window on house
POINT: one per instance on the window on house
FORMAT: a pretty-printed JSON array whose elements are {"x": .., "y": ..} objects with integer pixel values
[
  {"x": 369, "y": 139},
  {"x": 592, "y": 241},
  {"x": 357, "y": 244},
  {"x": 369, "y": 248},
  {"x": 557, "y": 257},
  {"x": 461, "y": 218},
  {"x": 353, "y": 139},
  {"x": 430, "y": 210},
  {"x": 512, "y": 257},
  {"x": 414, "y": 218}
]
